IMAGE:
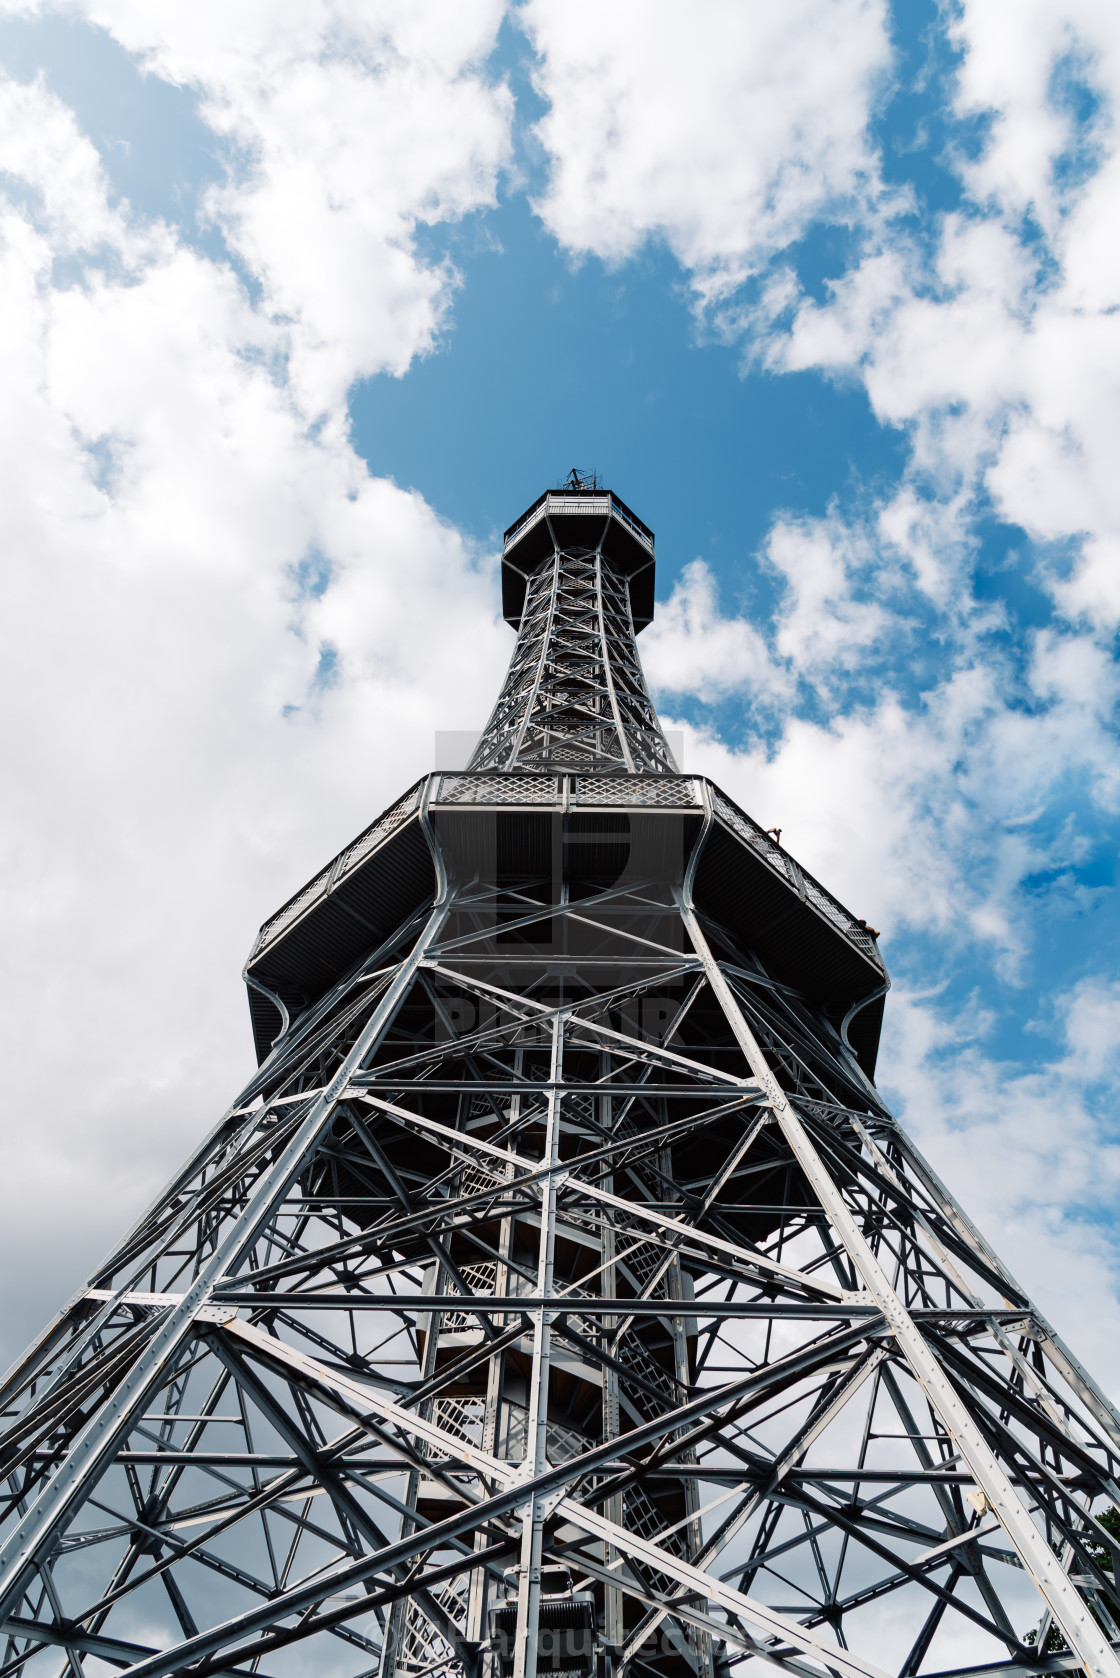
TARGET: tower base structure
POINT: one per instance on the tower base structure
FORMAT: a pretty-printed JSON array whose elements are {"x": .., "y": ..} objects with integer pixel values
[{"x": 559, "y": 1296}]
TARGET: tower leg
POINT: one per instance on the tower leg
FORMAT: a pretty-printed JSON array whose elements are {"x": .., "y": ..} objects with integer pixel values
[{"x": 1081, "y": 1630}]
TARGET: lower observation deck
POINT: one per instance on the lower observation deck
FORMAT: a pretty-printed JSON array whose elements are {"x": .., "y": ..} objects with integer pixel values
[{"x": 572, "y": 828}]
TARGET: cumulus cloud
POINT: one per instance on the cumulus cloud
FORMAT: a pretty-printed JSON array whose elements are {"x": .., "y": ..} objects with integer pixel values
[
  {"x": 827, "y": 624},
  {"x": 928, "y": 815},
  {"x": 691, "y": 647},
  {"x": 871, "y": 805},
  {"x": 997, "y": 347},
  {"x": 217, "y": 636},
  {"x": 719, "y": 133},
  {"x": 990, "y": 336},
  {"x": 348, "y": 129},
  {"x": 44, "y": 150},
  {"x": 829, "y": 616},
  {"x": 1007, "y": 387},
  {"x": 1033, "y": 1156}
]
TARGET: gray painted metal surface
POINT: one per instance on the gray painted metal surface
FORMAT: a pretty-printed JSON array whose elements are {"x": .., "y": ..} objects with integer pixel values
[{"x": 560, "y": 1259}]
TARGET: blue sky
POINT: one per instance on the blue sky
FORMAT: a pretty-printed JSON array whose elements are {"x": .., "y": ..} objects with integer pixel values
[{"x": 304, "y": 307}]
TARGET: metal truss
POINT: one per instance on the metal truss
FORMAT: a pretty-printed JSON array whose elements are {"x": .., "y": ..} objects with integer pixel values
[
  {"x": 575, "y": 696},
  {"x": 559, "y": 1296}
]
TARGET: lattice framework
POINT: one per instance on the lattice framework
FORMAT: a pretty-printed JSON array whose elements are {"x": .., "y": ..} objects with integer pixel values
[
  {"x": 559, "y": 1236},
  {"x": 575, "y": 696}
]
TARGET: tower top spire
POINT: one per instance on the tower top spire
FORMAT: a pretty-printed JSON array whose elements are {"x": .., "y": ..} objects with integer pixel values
[{"x": 581, "y": 483}]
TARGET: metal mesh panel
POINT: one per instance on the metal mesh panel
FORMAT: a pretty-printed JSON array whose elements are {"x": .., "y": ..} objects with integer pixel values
[
  {"x": 423, "y": 1648},
  {"x": 464, "y": 1417},
  {"x": 644, "y": 1517},
  {"x": 648, "y": 791},
  {"x": 564, "y": 1443},
  {"x": 480, "y": 1280},
  {"x": 499, "y": 789},
  {"x": 382, "y": 827},
  {"x": 657, "y": 791}
]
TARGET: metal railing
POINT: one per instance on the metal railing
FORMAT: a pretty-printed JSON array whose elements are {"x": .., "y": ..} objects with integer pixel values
[
  {"x": 560, "y": 503},
  {"x": 569, "y": 790},
  {"x": 807, "y": 888},
  {"x": 338, "y": 868},
  {"x": 502, "y": 787}
]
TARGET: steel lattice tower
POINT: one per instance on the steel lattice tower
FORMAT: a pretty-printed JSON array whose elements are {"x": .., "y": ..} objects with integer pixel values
[{"x": 559, "y": 1295}]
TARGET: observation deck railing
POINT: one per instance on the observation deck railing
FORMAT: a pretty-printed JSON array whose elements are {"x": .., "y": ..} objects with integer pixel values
[
  {"x": 562, "y": 792},
  {"x": 556, "y": 501}
]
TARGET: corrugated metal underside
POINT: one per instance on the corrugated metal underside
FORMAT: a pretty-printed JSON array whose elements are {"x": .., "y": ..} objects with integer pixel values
[
  {"x": 795, "y": 943},
  {"x": 570, "y": 531},
  {"x": 338, "y": 929},
  {"x": 734, "y": 888}
]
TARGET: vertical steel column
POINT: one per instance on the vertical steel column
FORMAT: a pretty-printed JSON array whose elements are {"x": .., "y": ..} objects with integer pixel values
[
  {"x": 542, "y": 662},
  {"x": 495, "y": 1372},
  {"x": 536, "y": 1433},
  {"x": 396, "y": 1621},
  {"x": 699, "y": 1641},
  {"x": 608, "y": 674},
  {"x": 614, "y": 1627}
]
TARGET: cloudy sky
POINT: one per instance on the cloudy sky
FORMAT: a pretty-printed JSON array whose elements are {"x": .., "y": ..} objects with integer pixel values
[{"x": 304, "y": 300}]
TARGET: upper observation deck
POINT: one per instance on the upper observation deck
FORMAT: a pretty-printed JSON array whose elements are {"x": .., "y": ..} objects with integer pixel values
[{"x": 593, "y": 519}]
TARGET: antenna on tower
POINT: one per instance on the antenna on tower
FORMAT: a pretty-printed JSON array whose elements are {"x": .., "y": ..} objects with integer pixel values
[{"x": 578, "y": 482}]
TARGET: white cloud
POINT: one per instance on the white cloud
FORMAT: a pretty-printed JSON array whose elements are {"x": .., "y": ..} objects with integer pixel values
[
  {"x": 998, "y": 353},
  {"x": 727, "y": 132},
  {"x": 871, "y": 806},
  {"x": 991, "y": 336},
  {"x": 925, "y": 801},
  {"x": 1033, "y": 1157},
  {"x": 174, "y": 766},
  {"x": 1005, "y": 387},
  {"x": 350, "y": 127},
  {"x": 826, "y": 621},
  {"x": 825, "y": 629},
  {"x": 42, "y": 148},
  {"x": 1016, "y": 66},
  {"x": 692, "y": 648},
  {"x": 925, "y": 816}
]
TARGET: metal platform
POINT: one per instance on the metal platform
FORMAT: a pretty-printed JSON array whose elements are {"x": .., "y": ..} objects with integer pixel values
[{"x": 804, "y": 935}]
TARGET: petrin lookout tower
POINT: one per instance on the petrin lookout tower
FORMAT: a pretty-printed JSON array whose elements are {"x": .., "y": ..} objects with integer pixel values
[{"x": 559, "y": 1297}]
